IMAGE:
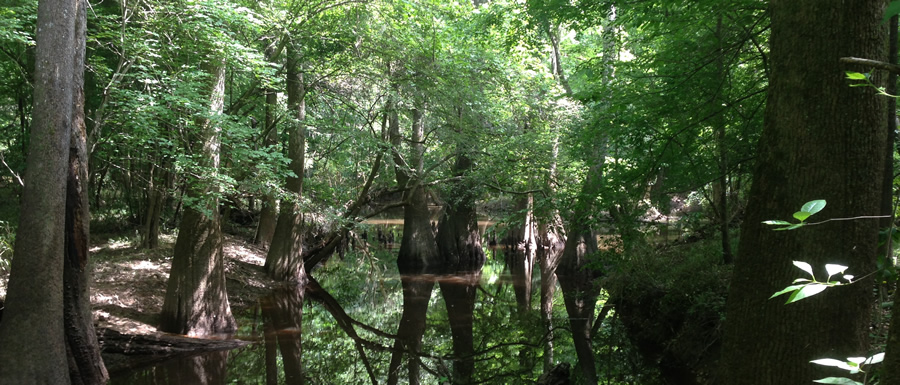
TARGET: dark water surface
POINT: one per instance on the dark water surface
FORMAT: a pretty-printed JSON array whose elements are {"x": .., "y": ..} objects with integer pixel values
[{"x": 351, "y": 327}]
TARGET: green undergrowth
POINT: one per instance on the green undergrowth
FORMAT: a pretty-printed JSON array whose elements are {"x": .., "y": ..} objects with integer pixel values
[{"x": 671, "y": 303}]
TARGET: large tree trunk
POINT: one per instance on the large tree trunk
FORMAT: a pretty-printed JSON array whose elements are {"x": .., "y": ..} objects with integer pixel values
[
  {"x": 196, "y": 302},
  {"x": 418, "y": 252},
  {"x": 283, "y": 262},
  {"x": 459, "y": 244},
  {"x": 822, "y": 139},
  {"x": 32, "y": 332},
  {"x": 85, "y": 364}
]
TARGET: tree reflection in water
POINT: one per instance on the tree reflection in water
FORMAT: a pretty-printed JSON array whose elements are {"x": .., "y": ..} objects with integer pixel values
[{"x": 349, "y": 325}]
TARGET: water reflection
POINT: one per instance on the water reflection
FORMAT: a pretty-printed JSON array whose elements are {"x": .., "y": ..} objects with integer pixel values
[
  {"x": 283, "y": 324},
  {"x": 367, "y": 328},
  {"x": 205, "y": 369}
]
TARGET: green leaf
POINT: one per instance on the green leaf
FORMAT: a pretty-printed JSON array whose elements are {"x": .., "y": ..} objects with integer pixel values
[
  {"x": 855, "y": 76},
  {"x": 833, "y": 362},
  {"x": 802, "y": 215},
  {"x": 813, "y": 207},
  {"x": 834, "y": 269},
  {"x": 805, "y": 267},
  {"x": 776, "y": 222},
  {"x": 838, "y": 380},
  {"x": 787, "y": 290},
  {"x": 892, "y": 9},
  {"x": 806, "y": 291},
  {"x": 875, "y": 359}
]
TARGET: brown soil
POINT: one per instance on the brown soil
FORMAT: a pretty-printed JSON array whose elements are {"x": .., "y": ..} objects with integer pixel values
[{"x": 130, "y": 284}]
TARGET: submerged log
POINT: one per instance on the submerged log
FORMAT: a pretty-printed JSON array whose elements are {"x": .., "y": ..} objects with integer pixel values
[{"x": 123, "y": 352}]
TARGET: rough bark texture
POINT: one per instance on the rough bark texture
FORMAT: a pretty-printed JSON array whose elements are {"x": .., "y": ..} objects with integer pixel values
[
  {"x": 821, "y": 140},
  {"x": 85, "y": 364},
  {"x": 283, "y": 261},
  {"x": 32, "y": 333},
  {"x": 196, "y": 302}
]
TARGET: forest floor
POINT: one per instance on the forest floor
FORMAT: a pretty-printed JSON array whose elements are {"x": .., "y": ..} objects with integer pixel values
[{"x": 129, "y": 284}]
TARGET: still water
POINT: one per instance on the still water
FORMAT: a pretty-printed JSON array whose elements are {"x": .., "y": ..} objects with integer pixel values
[{"x": 358, "y": 322}]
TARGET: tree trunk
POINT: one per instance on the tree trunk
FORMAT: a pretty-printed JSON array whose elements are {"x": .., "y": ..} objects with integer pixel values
[
  {"x": 85, "y": 364},
  {"x": 576, "y": 271},
  {"x": 196, "y": 302},
  {"x": 418, "y": 252},
  {"x": 459, "y": 243},
  {"x": 33, "y": 321},
  {"x": 269, "y": 212},
  {"x": 283, "y": 261},
  {"x": 822, "y": 139},
  {"x": 521, "y": 254}
]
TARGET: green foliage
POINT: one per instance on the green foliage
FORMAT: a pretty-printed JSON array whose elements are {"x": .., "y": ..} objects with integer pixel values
[
  {"x": 804, "y": 287},
  {"x": 671, "y": 303},
  {"x": 808, "y": 209},
  {"x": 7, "y": 242},
  {"x": 853, "y": 365}
]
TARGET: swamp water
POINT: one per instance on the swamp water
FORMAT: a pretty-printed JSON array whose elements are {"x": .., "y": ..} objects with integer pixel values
[{"x": 345, "y": 327}]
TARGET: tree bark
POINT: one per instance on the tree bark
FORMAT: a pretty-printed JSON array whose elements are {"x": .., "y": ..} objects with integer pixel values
[
  {"x": 196, "y": 301},
  {"x": 418, "y": 252},
  {"x": 33, "y": 319},
  {"x": 822, "y": 139},
  {"x": 269, "y": 213},
  {"x": 85, "y": 364},
  {"x": 283, "y": 261}
]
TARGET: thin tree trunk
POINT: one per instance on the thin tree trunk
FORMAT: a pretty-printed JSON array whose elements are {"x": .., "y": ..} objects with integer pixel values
[
  {"x": 85, "y": 364},
  {"x": 283, "y": 261},
  {"x": 269, "y": 213}
]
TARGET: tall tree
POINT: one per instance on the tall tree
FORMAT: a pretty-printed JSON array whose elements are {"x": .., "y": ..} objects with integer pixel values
[
  {"x": 34, "y": 303},
  {"x": 196, "y": 302},
  {"x": 85, "y": 364},
  {"x": 821, "y": 140},
  {"x": 283, "y": 260}
]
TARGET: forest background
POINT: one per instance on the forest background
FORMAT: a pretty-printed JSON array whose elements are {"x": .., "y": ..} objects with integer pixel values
[{"x": 612, "y": 145}]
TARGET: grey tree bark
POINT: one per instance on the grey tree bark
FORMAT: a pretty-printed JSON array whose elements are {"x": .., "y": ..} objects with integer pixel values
[{"x": 34, "y": 303}]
